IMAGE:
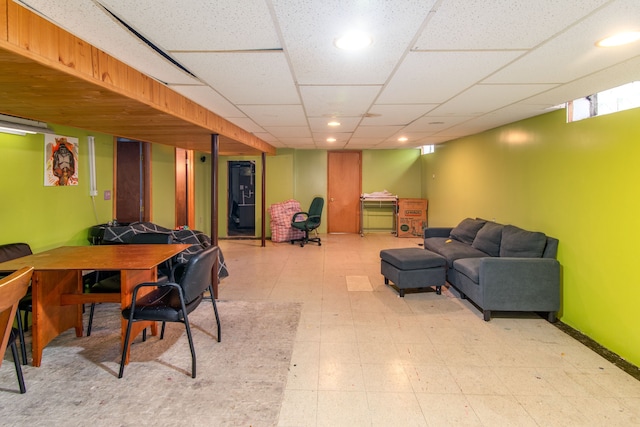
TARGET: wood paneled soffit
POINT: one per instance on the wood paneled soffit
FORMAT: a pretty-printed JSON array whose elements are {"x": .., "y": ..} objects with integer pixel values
[{"x": 50, "y": 75}]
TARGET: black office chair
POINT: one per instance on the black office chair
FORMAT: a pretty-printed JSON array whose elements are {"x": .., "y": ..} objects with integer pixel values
[
  {"x": 308, "y": 221},
  {"x": 8, "y": 252},
  {"x": 12, "y": 288},
  {"x": 111, "y": 284},
  {"x": 172, "y": 302}
]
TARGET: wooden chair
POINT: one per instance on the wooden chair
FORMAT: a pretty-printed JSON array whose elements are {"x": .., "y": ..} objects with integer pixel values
[
  {"x": 8, "y": 252},
  {"x": 12, "y": 288}
]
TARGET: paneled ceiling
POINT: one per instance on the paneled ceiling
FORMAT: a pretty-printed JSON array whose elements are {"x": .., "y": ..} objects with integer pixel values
[{"x": 436, "y": 70}]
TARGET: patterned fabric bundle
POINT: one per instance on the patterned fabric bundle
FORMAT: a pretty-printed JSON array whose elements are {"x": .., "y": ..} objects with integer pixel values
[
  {"x": 281, "y": 214},
  {"x": 197, "y": 239}
]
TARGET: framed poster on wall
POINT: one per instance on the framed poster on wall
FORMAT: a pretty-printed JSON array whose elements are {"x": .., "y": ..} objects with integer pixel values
[{"x": 60, "y": 160}]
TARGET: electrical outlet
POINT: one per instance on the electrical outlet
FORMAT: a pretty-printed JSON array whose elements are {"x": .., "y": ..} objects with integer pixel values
[{"x": 107, "y": 194}]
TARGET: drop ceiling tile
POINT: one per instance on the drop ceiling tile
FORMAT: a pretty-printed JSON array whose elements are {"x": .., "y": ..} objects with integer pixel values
[
  {"x": 376, "y": 131},
  {"x": 412, "y": 137},
  {"x": 395, "y": 115},
  {"x": 265, "y": 76},
  {"x": 573, "y": 54},
  {"x": 347, "y": 124},
  {"x": 394, "y": 145},
  {"x": 609, "y": 78},
  {"x": 275, "y": 115},
  {"x": 289, "y": 131},
  {"x": 481, "y": 99},
  {"x": 339, "y": 137},
  {"x": 298, "y": 142},
  {"x": 209, "y": 99},
  {"x": 365, "y": 142},
  {"x": 337, "y": 101},
  {"x": 437, "y": 140},
  {"x": 492, "y": 120},
  {"x": 433, "y": 123},
  {"x": 434, "y": 77},
  {"x": 310, "y": 28},
  {"x": 500, "y": 24},
  {"x": 202, "y": 25},
  {"x": 82, "y": 18}
]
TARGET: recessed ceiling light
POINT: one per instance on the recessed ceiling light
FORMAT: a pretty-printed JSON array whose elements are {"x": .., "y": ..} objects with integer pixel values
[
  {"x": 353, "y": 41},
  {"x": 619, "y": 39},
  {"x": 403, "y": 139},
  {"x": 331, "y": 140},
  {"x": 333, "y": 123}
]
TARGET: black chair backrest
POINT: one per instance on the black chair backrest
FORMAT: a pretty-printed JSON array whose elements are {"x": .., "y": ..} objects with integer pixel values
[
  {"x": 13, "y": 251},
  {"x": 197, "y": 274},
  {"x": 151, "y": 238},
  {"x": 315, "y": 210}
]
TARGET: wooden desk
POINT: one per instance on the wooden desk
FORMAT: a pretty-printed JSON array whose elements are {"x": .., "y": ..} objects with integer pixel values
[{"x": 56, "y": 284}]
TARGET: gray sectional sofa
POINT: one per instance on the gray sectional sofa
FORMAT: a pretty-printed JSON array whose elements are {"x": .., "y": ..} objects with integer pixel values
[{"x": 499, "y": 267}]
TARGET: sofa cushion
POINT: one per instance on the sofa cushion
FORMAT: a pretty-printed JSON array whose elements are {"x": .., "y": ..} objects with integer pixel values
[
  {"x": 470, "y": 267},
  {"x": 488, "y": 238},
  {"x": 517, "y": 242},
  {"x": 452, "y": 249},
  {"x": 466, "y": 231}
]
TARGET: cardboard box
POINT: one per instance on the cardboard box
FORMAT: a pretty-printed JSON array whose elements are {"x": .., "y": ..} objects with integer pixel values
[{"x": 412, "y": 217}]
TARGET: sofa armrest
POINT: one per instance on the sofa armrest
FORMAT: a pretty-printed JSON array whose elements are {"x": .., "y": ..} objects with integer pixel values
[
  {"x": 437, "y": 232},
  {"x": 520, "y": 284}
]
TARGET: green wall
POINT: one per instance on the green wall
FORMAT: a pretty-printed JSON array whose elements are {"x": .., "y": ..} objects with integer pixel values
[
  {"x": 47, "y": 217},
  {"x": 302, "y": 175},
  {"x": 576, "y": 182},
  {"x": 398, "y": 172},
  {"x": 163, "y": 185}
]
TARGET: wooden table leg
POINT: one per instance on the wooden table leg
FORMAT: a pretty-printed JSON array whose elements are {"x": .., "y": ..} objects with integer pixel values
[{"x": 50, "y": 318}]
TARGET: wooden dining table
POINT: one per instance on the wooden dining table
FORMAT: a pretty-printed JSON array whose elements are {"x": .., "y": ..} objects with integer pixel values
[{"x": 57, "y": 288}]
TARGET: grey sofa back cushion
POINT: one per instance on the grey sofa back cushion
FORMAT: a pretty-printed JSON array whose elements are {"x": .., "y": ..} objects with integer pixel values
[
  {"x": 488, "y": 238},
  {"x": 517, "y": 242},
  {"x": 466, "y": 231}
]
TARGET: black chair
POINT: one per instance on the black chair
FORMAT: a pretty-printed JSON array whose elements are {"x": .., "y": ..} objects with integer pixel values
[
  {"x": 308, "y": 221},
  {"x": 12, "y": 288},
  {"x": 173, "y": 301},
  {"x": 8, "y": 252},
  {"x": 111, "y": 284}
]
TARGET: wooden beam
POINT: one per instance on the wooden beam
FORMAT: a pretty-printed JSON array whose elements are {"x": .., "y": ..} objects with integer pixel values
[{"x": 50, "y": 75}]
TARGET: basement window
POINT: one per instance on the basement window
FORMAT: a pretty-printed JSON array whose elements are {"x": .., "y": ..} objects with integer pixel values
[
  {"x": 620, "y": 98},
  {"x": 427, "y": 149}
]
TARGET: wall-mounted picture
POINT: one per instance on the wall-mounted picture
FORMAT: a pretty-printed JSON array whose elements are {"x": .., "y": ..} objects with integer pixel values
[{"x": 60, "y": 160}]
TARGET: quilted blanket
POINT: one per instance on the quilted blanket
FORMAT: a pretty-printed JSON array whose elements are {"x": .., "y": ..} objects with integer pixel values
[
  {"x": 197, "y": 239},
  {"x": 281, "y": 214}
]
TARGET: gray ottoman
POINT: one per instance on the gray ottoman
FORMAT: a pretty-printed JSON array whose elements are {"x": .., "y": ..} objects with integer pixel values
[{"x": 412, "y": 268}]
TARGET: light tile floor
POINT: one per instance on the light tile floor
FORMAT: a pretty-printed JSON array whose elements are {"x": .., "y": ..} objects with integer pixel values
[{"x": 369, "y": 358}]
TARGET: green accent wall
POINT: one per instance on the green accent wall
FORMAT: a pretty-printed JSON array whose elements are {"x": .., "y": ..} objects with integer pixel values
[
  {"x": 48, "y": 217},
  {"x": 397, "y": 171},
  {"x": 163, "y": 185},
  {"x": 576, "y": 182}
]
